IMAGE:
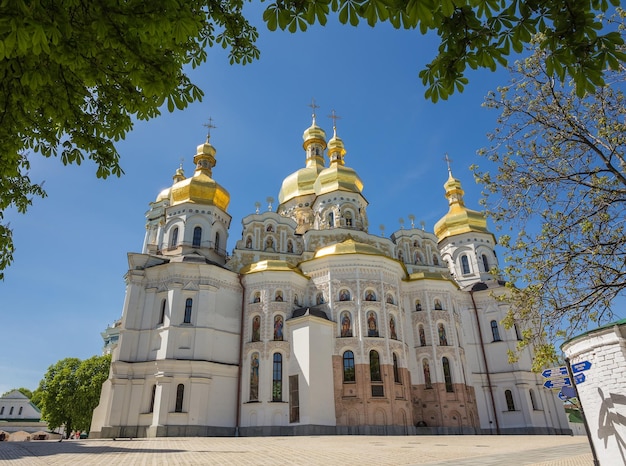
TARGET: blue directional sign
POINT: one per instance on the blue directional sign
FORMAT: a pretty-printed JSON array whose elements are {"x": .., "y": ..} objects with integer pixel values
[
  {"x": 562, "y": 396},
  {"x": 554, "y": 372},
  {"x": 567, "y": 392},
  {"x": 579, "y": 378},
  {"x": 581, "y": 366},
  {"x": 557, "y": 383}
]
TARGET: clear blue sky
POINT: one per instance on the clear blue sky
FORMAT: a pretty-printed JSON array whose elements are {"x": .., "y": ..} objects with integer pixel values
[{"x": 66, "y": 284}]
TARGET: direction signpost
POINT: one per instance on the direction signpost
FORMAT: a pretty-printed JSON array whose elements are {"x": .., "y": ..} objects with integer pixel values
[
  {"x": 558, "y": 383},
  {"x": 581, "y": 366},
  {"x": 554, "y": 372}
]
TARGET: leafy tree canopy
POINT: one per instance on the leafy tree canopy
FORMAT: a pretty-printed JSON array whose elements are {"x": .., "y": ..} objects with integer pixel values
[
  {"x": 70, "y": 391},
  {"x": 560, "y": 182},
  {"x": 74, "y": 73}
]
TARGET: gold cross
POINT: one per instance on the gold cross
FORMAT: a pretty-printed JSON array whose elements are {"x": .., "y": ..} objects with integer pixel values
[
  {"x": 313, "y": 106},
  {"x": 448, "y": 161},
  {"x": 209, "y": 126},
  {"x": 334, "y": 117}
]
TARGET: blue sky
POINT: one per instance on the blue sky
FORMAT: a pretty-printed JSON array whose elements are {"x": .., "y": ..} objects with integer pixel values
[{"x": 66, "y": 284}]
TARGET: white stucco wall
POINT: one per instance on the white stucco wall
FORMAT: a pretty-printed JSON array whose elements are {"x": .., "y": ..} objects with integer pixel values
[{"x": 603, "y": 393}]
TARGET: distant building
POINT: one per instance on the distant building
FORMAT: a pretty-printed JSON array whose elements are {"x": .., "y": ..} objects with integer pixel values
[
  {"x": 21, "y": 420},
  {"x": 314, "y": 325},
  {"x": 111, "y": 335}
]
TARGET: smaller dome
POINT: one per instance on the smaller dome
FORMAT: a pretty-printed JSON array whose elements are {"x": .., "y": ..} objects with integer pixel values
[
  {"x": 313, "y": 133},
  {"x": 165, "y": 194},
  {"x": 348, "y": 246},
  {"x": 459, "y": 218},
  {"x": 337, "y": 177}
]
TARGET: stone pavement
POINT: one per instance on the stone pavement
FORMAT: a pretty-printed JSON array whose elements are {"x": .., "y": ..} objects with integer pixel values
[{"x": 449, "y": 450}]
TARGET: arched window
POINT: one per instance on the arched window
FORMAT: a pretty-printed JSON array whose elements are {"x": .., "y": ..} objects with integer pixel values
[
  {"x": 435, "y": 259},
  {"x": 269, "y": 229},
  {"x": 162, "y": 313},
  {"x": 346, "y": 324},
  {"x": 217, "y": 241},
  {"x": 426, "y": 368},
  {"x": 180, "y": 393},
  {"x": 197, "y": 237},
  {"x": 389, "y": 299},
  {"x": 396, "y": 370},
  {"x": 447, "y": 375},
  {"x": 278, "y": 296},
  {"x": 254, "y": 377},
  {"x": 443, "y": 340},
  {"x": 375, "y": 375},
  {"x": 392, "y": 328},
  {"x": 495, "y": 333},
  {"x": 2, "y": 410},
  {"x": 465, "y": 268},
  {"x": 370, "y": 295},
  {"x": 418, "y": 305},
  {"x": 277, "y": 378},
  {"x": 20, "y": 410},
  {"x": 174, "y": 238},
  {"x": 152, "y": 397},
  {"x": 257, "y": 297},
  {"x": 11, "y": 411},
  {"x": 533, "y": 401},
  {"x": 510, "y": 404},
  {"x": 331, "y": 220},
  {"x": 485, "y": 262},
  {"x": 319, "y": 298},
  {"x": 289, "y": 246},
  {"x": 438, "y": 305},
  {"x": 344, "y": 295},
  {"x": 249, "y": 242},
  {"x": 348, "y": 217},
  {"x": 348, "y": 367},
  {"x": 188, "y": 307}
]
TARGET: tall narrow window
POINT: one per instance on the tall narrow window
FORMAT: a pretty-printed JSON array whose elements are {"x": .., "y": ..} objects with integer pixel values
[
  {"x": 495, "y": 332},
  {"x": 277, "y": 378},
  {"x": 11, "y": 411},
  {"x": 422, "y": 335},
  {"x": 518, "y": 334},
  {"x": 162, "y": 312},
  {"x": 375, "y": 375},
  {"x": 152, "y": 397},
  {"x": 443, "y": 339},
  {"x": 180, "y": 393},
  {"x": 396, "y": 369},
  {"x": 174, "y": 238},
  {"x": 217, "y": 241},
  {"x": 331, "y": 220},
  {"x": 465, "y": 268},
  {"x": 485, "y": 262},
  {"x": 197, "y": 237},
  {"x": 533, "y": 401},
  {"x": 510, "y": 404},
  {"x": 348, "y": 367},
  {"x": 188, "y": 306},
  {"x": 348, "y": 219},
  {"x": 20, "y": 410},
  {"x": 294, "y": 399},
  {"x": 2, "y": 410},
  {"x": 447, "y": 375}
]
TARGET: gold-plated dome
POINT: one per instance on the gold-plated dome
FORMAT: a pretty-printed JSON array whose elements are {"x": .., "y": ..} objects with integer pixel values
[
  {"x": 348, "y": 246},
  {"x": 337, "y": 177},
  {"x": 179, "y": 175},
  {"x": 268, "y": 265},
  {"x": 459, "y": 218},
  {"x": 300, "y": 183},
  {"x": 201, "y": 188}
]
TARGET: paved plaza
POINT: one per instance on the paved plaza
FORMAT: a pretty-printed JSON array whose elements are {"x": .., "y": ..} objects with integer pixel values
[{"x": 332, "y": 450}]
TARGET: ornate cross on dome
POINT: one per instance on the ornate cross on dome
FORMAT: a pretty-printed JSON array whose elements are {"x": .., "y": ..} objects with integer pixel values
[
  {"x": 209, "y": 126},
  {"x": 182, "y": 160},
  {"x": 448, "y": 161},
  {"x": 333, "y": 116},
  {"x": 313, "y": 106}
]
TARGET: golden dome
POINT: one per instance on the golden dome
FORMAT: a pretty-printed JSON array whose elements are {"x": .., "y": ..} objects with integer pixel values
[
  {"x": 348, "y": 246},
  {"x": 201, "y": 188},
  {"x": 179, "y": 175},
  {"x": 337, "y": 177},
  {"x": 459, "y": 218},
  {"x": 300, "y": 183},
  {"x": 268, "y": 265}
]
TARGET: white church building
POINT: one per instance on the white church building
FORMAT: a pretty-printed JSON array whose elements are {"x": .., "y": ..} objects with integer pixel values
[{"x": 312, "y": 325}]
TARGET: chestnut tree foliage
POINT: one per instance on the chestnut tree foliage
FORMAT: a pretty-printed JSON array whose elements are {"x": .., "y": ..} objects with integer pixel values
[
  {"x": 75, "y": 73},
  {"x": 560, "y": 186},
  {"x": 70, "y": 391}
]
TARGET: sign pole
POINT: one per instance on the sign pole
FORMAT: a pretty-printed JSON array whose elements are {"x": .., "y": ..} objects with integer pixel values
[{"x": 582, "y": 413}]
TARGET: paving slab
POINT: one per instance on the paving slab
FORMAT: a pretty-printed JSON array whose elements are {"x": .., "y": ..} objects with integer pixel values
[{"x": 447, "y": 450}]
